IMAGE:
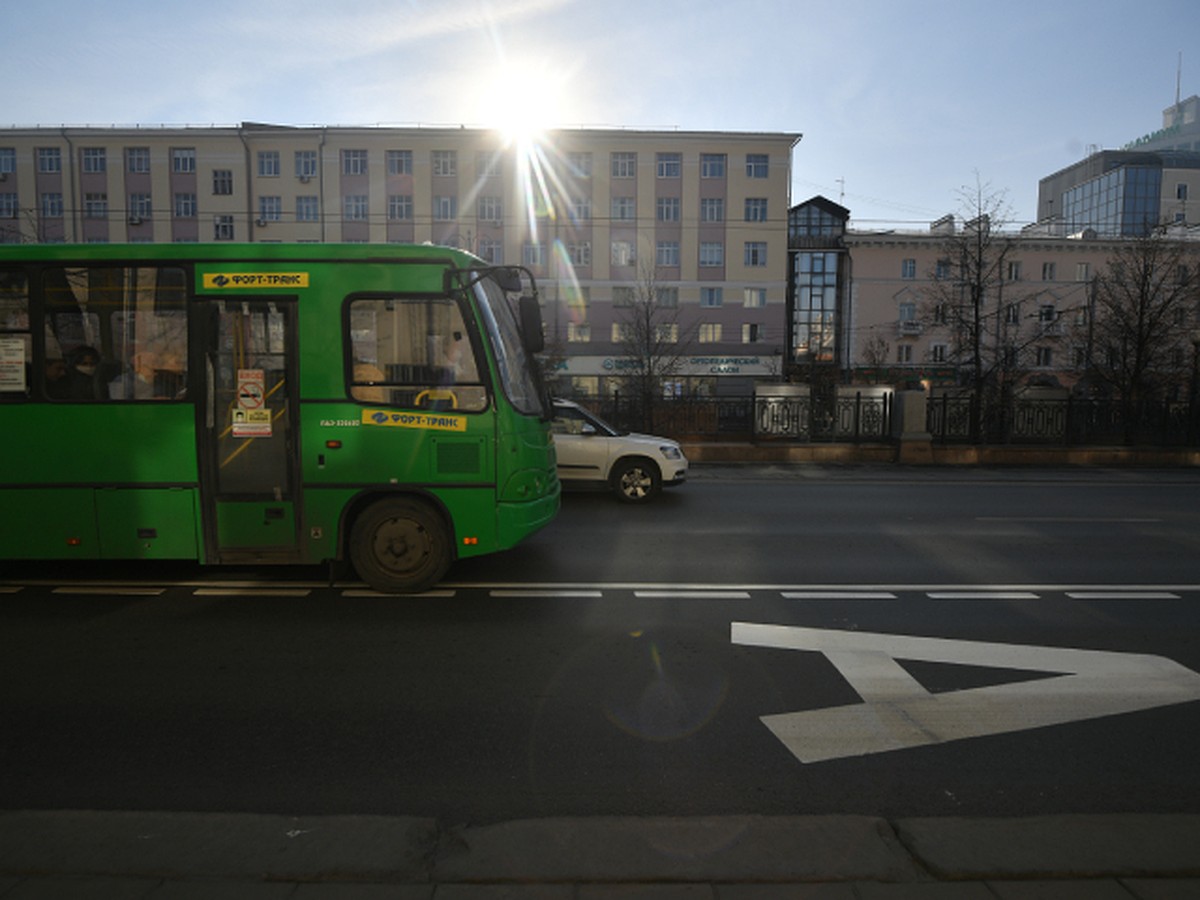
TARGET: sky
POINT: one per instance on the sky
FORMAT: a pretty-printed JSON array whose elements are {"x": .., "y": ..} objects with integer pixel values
[{"x": 903, "y": 105}]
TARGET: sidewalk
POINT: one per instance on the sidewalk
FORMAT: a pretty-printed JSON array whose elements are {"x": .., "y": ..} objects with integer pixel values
[{"x": 182, "y": 856}]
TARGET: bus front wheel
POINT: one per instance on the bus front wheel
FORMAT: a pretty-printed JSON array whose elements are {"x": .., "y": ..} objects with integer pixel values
[{"x": 400, "y": 545}]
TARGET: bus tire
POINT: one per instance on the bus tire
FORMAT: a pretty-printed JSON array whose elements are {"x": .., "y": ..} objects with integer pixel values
[{"x": 400, "y": 545}]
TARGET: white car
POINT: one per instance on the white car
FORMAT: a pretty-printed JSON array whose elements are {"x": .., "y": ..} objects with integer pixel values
[{"x": 590, "y": 451}]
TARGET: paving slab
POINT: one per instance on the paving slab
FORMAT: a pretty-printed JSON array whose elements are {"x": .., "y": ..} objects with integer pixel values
[{"x": 1055, "y": 846}]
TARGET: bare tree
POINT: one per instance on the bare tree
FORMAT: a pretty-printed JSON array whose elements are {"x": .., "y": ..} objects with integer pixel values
[
  {"x": 653, "y": 341},
  {"x": 1144, "y": 312},
  {"x": 976, "y": 300}
]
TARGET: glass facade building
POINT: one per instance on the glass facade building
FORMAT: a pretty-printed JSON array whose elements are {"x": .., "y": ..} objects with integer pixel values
[{"x": 1124, "y": 201}]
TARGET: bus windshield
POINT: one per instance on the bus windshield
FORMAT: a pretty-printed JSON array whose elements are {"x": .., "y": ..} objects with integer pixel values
[{"x": 516, "y": 368}]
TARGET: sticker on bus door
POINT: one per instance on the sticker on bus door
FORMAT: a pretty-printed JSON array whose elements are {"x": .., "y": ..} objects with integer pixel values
[{"x": 251, "y": 423}]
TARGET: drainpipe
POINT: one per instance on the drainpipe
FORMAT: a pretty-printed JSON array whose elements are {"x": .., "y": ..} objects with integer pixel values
[
  {"x": 73, "y": 238},
  {"x": 249, "y": 182}
]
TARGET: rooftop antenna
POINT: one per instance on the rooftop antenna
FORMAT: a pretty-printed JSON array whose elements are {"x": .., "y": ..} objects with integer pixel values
[
  {"x": 1178, "y": 77},
  {"x": 841, "y": 191}
]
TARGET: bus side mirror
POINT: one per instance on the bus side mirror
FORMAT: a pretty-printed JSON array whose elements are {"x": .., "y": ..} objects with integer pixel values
[{"x": 531, "y": 324}]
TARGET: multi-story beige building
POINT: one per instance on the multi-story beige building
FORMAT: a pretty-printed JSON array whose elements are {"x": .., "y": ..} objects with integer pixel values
[
  {"x": 590, "y": 212},
  {"x": 1035, "y": 315}
]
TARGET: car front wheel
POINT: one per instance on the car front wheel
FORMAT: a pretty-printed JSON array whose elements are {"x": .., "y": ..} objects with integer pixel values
[{"x": 636, "y": 480}]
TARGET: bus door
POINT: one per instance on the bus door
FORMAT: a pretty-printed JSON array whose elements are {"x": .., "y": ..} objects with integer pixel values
[{"x": 249, "y": 466}]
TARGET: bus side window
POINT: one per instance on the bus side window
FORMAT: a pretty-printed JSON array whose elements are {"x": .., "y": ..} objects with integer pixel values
[
  {"x": 413, "y": 353},
  {"x": 16, "y": 344}
]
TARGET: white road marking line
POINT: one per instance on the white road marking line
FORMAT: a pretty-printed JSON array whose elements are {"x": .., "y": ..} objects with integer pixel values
[
  {"x": 1122, "y": 595},
  {"x": 110, "y": 590},
  {"x": 5, "y": 589},
  {"x": 567, "y": 595},
  {"x": 982, "y": 595},
  {"x": 250, "y": 592},
  {"x": 692, "y": 595},
  {"x": 365, "y": 592},
  {"x": 1123, "y": 520},
  {"x": 898, "y": 713},
  {"x": 838, "y": 595}
]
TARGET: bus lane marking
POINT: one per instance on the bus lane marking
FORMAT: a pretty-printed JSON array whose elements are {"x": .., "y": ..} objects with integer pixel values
[{"x": 898, "y": 713}]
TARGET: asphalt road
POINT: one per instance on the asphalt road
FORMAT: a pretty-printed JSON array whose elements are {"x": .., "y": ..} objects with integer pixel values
[{"x": 646, "y": 661}]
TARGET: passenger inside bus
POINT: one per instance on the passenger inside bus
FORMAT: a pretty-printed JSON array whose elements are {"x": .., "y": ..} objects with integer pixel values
[{"x": 82, "y": 380}]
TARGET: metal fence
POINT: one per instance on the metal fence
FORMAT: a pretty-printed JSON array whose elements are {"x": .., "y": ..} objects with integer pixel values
[
  {"x": 846, "y": 418},
  {"x": 1068, "y": 421}
]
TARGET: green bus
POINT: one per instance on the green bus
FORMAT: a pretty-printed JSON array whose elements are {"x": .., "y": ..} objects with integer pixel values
[{"x": 270, "y": 403}]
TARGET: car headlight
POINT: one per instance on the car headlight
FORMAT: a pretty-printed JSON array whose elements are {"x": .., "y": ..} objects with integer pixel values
[{"x": 670, "y": 452}]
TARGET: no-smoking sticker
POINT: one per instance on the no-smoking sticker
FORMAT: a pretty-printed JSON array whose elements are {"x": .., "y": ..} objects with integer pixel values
[{"x": 251, "y": 393}]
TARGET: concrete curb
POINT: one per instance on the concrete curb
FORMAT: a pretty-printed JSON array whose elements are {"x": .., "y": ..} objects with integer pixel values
[
  {"x": 617, "y": 850},
  {"x": 1056, "y": 846}
]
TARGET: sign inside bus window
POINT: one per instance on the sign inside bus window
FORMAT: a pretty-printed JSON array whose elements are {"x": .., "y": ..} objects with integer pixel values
[
  {"x": 12, "y": 364},
  {"x": 228, "y": 280},
  {"x": 426, "y": 421}
]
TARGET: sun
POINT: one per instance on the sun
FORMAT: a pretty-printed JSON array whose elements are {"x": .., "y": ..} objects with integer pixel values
[{"x": 524, "y": 100}]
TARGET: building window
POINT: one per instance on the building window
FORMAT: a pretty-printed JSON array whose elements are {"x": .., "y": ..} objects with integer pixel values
[
  {"x": 445, "y": 162},
  {"x": 222, "y": 182},
  {"x": 95, "y": 205},
  {"x": 183, "y": 160},
  {"x": 95, "y": 159},
  {"x": 814, "y": 311},
  {"x": 712, "y": 165},
  {"x": 399, "y": 162},
  {"x": 622, "y": 255},
  {"x": 268, "y": 163},
  {"x": 669, "y": 165},
  {"x": 354, "y": 162},
  {"x": 305, "y": 162},
  {"x": 941, "y": 270},
  {"x": 580, "y": 254},
  {"x": 667, "y": 253},
  {"x": 52, "y": 206},
  {"x": 185, "y": 206},
  {"x": 755, "y": 253},
  {"x": 49, "y": 159},
  {"x": 308, "y": 209},
  {"x": 1045, "y": 357},
  {"x": 621, "y": 332},
  {"x": 1048, "y": 273},
  {"x": 667, "y": 209},
  {"x": 908, "y": 268},
  {"x": 937, "y": 353},
  {"x": 623, "y": 209},
  {"x": 445, "y": 208},
  {"x": 1181, "y": 191},
  {"x": 222, "y": 228},
  {"x": 712, "y": 254},
  {"x": 580, "y": 164},
  {"x": 491, "y": 251},
  {"x": 667, "y": 332},
  {"x": 1047, "y": 315},
  {"x": 754, "y": 298},
  {"x": 711, "y": 297},
  {"x": 9, "y": 208},
  {"x": 1014, "y": 270},
  {"x": 491, "y": 209},
  {"x": 579, "y": 332},
  {"x": 667, "y": 297},
  {"x": 1083, "y": 271},
  {"x": 757, "y": 165},
  {"x": 756, "y": 209},
  {"x": 904, "y": 353},
  {"x": 487, "y": 165},
  {"x": 712, "y": 209},
  {"x": 140, "y": 206},
  {"x": 908, "y": 312},
  {"x": 270, "y": 209},
  {"x": 137, "y": 159},
  {"x": 533, "y": 253},
  {"x": 709, "y": 333},
  {"x": 753, "y": 333},
  {"x": 400, "y": 207},
  {"x": 581, "y": 209},
  {"x": 624, "y": 165},
  {"x": 355, "y": 207},
  {"x": 1012, "y": 314},
  {"x": 623, "y": 297},
  {"x": 8, "y": 160}
]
